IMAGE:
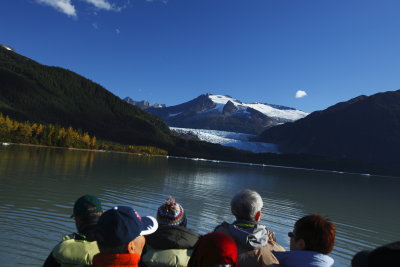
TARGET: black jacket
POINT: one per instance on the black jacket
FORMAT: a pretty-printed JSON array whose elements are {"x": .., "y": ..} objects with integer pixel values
[{"x": 172, "y": 237}]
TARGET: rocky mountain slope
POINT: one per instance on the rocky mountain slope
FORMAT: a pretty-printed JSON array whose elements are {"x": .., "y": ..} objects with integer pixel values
[{"x": 224, "y": 113}]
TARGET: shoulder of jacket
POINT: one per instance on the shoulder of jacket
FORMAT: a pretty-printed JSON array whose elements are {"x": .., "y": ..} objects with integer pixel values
[
  {"x": 73, "y": 251},
  {"x": 220, "y": 227},
  {"x": 258, "y": 257},
  {"x": 166, "y": 257}
]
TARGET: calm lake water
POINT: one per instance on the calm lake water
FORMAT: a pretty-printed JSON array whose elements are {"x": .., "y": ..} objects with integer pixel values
[{"x": 38, "y": 187}]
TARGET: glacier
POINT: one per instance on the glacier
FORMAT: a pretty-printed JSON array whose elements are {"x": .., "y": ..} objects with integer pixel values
[{"x": 232, "y": 139}]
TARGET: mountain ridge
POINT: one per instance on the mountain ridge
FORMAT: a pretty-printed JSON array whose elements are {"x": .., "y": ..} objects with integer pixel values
[
  {"x": 224, "y": 113},
  {"x": 365, "y": 128}
]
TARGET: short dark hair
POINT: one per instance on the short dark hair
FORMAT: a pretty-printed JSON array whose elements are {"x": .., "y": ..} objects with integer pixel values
[{"x": 317, "y": 232}]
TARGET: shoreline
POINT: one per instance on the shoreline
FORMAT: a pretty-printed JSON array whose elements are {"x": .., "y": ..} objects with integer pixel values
[
  {"x": 207, "y": 160},
  {"x": 74, "y": 148}
]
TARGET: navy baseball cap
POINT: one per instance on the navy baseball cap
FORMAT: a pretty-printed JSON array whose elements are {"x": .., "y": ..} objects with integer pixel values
[{"x": 120, "y": 225}]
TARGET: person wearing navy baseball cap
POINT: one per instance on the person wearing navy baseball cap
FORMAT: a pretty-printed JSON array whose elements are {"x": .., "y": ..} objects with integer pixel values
[{"x": 119, "y": 235}]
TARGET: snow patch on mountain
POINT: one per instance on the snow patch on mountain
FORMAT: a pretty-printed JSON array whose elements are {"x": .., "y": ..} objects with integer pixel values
[
  {"x": 269, "y": 110},
  {"x": 174, "y": 114},
  {"x": 236, "y": 140}
]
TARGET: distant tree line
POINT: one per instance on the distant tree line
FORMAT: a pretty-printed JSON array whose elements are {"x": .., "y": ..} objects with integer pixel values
[{"x": 55, "y": 135}]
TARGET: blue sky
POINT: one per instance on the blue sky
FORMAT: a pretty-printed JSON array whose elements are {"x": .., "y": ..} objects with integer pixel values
[{"x": 172, "y": 51}]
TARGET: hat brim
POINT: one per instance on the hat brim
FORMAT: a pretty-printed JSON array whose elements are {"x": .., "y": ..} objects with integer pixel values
[{"x": 149, "y": 225}]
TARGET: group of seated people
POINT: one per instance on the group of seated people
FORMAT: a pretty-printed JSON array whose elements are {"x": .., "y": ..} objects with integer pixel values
[{"x": 121, "y": 237}]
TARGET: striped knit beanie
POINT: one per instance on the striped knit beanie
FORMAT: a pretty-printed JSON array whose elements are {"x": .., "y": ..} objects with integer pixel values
[{"x": 171, "y": 213}]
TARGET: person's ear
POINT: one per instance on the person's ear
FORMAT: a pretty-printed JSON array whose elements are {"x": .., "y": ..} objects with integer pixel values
[
  {"x": 131, "y": 247},
  {"x": 301, "y": 244},
  {"x": 258, "y": 216},
  {"x": 136, "y": 245}
]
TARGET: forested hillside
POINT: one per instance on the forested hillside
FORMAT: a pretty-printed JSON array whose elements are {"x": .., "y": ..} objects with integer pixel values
[
  {"x": 365, "y": 128},
  {"x": 38, "y": 93}
]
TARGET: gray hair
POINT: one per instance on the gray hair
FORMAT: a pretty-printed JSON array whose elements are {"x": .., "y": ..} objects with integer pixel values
[{"x": 246, "y": 204}]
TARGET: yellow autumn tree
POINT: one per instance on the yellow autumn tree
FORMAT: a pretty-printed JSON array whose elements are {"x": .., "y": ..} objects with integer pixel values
[{"x": 86, "y": 139}]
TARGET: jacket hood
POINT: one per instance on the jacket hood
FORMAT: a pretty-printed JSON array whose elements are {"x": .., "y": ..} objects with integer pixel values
[
  {"x": 249, "y": 234},
  {"x": 303, "y": 258},
  {"x": 214, "y": 249}
]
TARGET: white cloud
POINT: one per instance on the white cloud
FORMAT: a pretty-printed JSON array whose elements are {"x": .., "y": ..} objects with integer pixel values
[
  {"x": 300, "y": 94},
  {"x": 104, "y": 5},
  {"x": 67, "y": 7},
  {"x": 95, "y": 25},
  {"x": 117, "y": 31},
  {"x": 64, "y": 6}
]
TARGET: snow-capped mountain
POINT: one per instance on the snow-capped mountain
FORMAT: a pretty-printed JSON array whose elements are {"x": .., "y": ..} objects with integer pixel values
[
  {"x": 142, "y": 104},
  {"x": 224, "y": 113},
  {"x": 273, "y": 111}
]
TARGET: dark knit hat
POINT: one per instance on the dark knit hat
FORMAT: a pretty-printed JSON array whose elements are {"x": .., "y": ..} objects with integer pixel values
[
  {"x": 386, "y": 255},
  {"x": 86, "y": 205},
  {"x": 171, "y": 213}
]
